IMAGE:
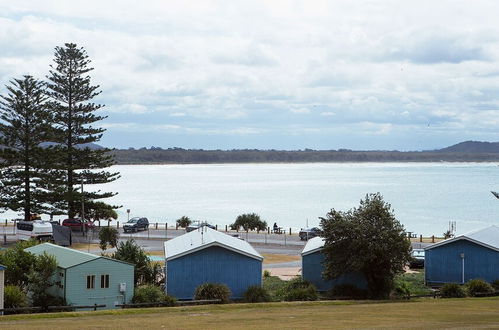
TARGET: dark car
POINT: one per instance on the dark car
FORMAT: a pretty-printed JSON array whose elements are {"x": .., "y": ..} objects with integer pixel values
[
  {"x": 136, "y": 224},
  {"x": 307, "y": 233},
  {"x": 78, "y": 224},
  {"x": 417, "y": 258},
  {"x": 195, "y": 226}
]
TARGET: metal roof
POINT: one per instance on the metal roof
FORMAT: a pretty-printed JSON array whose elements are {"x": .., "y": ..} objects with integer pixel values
[
  {"x": 203, "y": 238},
  {"x": 487, "y": 237},
  {"x": 313, "y": 245},
  {"x": 2, "y": 267},
  {"x": 66, "y": 257}
]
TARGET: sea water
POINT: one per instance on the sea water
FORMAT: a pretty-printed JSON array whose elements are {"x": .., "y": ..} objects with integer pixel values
[{"x": 423, "y": 196}]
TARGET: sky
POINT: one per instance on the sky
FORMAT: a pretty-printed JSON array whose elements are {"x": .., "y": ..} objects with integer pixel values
[{"x": 363, "y": 75}]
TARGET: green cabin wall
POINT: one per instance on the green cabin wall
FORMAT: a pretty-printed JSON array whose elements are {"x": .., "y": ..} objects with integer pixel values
[{"x": 76, "y": 283}]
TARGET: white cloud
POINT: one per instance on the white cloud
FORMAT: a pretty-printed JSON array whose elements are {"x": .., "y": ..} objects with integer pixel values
[{"x": 239, "y": 68}]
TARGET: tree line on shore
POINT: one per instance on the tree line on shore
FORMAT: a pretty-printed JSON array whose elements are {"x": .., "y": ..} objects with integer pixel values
[
  {"x": 46, "y": 128},
  {"x": 156, "y": 155}
]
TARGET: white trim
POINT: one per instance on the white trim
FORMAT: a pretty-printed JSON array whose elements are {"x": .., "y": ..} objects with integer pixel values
[
  {"x": 312, "y": 251},
  {"x": 202, "y": 247},
  {"x": 455, "y": 239}
]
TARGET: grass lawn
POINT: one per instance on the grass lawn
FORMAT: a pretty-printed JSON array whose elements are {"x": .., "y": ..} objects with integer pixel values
[{"x": 423, "y": 313}]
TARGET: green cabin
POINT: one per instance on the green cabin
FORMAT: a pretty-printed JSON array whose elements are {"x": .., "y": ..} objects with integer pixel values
[{"x": 84, "y": 279}]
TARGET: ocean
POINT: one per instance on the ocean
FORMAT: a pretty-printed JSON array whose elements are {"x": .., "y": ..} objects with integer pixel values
[{"x": 424, "y": 196}]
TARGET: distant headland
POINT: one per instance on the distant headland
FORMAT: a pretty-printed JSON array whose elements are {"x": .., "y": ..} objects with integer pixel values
[{"x": 468, "y": 151}]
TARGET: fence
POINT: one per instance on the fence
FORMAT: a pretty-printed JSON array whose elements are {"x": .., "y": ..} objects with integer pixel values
[{"x": 48, "y": 308}]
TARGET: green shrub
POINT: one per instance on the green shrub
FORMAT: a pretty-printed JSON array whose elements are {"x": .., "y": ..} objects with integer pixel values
[
  {"x": 402, "y": 290},
  {"x": 152, "y": 294},
  {"x": 256, "y": 294},
  {"x": 14, "y": 297},
  {"x": 301, "y": 294},
  {"x": 347, "y": 291},
  {"x": 213, "y": 291},
  {"x": 452, "y": 290},
  {"x": 250, "y": 221},
  {"x": 184, "y": 222},
  {"x": 495, "y": 285},
  {"x": 266, "y": 273},
  {"x": 298, "y": 289},
  {"x": 478, "y": 286}
]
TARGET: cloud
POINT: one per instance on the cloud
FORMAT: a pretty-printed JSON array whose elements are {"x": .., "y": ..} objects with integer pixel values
[{"x": 279, "y": 74}]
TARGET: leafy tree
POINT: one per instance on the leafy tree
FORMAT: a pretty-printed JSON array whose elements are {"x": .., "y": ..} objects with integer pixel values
[
  {"x": 146, "y": 272},
  {"x": 18, "y": 263},
  {"x": 369, "y": 240},
  {"x": 25, "y": 123},
  {"x": 39, "y": 280},
  {"x": 71, "y": 95},
  {"x": 184, "y": 222},
  {"x": 108, "y": 236},
  {"x": 96, "y": 211},
  {"x": 249, "y": 221}
]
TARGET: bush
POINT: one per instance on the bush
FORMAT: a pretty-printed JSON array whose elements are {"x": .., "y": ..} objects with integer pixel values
[
  {"x": 151, "y": 294},
  {"x": 452, "y": 290},
  {"x": 347, "y": 291},
  {"x": 301, "y": 294},
  {"x": 402, "y": 290},
  {"x": 14, "y": 297},
  {"x": 213, "y": 291},
  {"x": 495, "y": 285},
  {"x": 266, "y": 273},
  {"x": 299, "y": 290},
  {"x": 478, "y": 286},
  {"x": 256, "y": 294},
  {"x": 250, "y": 221},
  {"x": 184, "y": 222}
]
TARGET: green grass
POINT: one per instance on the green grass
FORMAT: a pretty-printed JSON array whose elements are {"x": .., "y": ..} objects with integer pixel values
[{"x": 422, "y": 313}]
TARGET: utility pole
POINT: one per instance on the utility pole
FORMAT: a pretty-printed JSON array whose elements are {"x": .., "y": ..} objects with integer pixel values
[{"x": 83, "y": 207}]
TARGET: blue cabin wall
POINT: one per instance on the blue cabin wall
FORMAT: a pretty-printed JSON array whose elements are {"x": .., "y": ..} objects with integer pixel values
[
  {"x": 213, "y": 264},
  {"x": 312, "y": 269},
  {"x": 443, "y": 264}
]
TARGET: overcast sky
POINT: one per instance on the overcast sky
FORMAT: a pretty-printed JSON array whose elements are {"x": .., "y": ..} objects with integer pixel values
[{"x": 273, "y": 74}]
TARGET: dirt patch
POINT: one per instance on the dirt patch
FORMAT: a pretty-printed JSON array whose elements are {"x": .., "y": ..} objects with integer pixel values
[
  {"x": 271, "y": 258},
  {"x": 285, "y": 273}
]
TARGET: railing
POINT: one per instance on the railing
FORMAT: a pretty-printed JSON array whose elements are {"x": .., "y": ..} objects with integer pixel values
[{"x": 49, "y": 308}]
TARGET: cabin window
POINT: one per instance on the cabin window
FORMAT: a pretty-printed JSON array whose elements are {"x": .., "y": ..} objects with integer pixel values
[
  {"x": 104, "y": 281},
  {"x": 61, "y": 274},
  {"x": 90, "y": 281}
]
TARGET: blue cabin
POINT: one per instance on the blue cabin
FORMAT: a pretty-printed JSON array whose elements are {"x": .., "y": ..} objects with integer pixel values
[
  {"x": 463, "y": 258},
  {"x": 312, "y": 268},
  {"x": 206, "y": 255}
]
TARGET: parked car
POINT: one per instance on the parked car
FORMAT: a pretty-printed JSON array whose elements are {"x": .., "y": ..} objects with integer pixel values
[
  {"x": 307, "y": 233},
  {"x": 197, "y": 225},
  {"x": 136, "y": 224},
  {"x": 417, "y": 258},
  {"x": 78, "y": 224}
]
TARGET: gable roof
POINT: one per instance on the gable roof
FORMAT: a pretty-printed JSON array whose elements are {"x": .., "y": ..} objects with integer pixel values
[
  {"x": 487, "y": 237},
  {"x": 203, "y": 238},
  {"x": 66, "y": 257},
  {"x": 313, "y": 245}
]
